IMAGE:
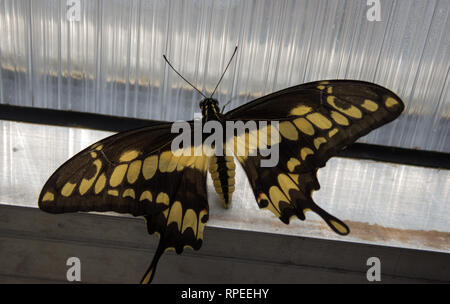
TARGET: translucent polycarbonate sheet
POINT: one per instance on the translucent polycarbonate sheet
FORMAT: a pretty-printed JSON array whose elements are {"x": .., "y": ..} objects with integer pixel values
[
  {"x": 106, "y": 56},
  {"x": 383, "y": 203}
]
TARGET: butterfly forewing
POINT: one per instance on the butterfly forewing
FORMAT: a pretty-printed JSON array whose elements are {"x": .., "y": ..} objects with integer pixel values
[{"x": 136, "y": 172}]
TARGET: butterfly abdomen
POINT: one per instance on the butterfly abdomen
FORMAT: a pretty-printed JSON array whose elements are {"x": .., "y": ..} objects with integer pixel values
[{"x": 222, "y": 169}]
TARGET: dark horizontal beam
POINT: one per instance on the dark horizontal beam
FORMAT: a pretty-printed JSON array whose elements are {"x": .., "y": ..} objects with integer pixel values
[
  {"x": 117, "y": 124},
  {"x": 72, "y": 119}
]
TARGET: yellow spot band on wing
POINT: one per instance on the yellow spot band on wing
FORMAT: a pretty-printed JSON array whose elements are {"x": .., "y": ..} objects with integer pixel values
[
  {"x": 129, "y": 193},
  {"x": 300, "y": 110},
  {"x": 149, "y": 167},
  {"x": 339, "y": 118},
  {"x": 277, "y": 196},
  {"x": 128, "y": 156},
  {"x": 190, "y": 220},
  {"x": 332, "y": 132},
  {"x": 304, "y": 126},
  {"x": 86, "y": 184},
  {"x": 67, "y": 189},
  {"x": 351, "y": 111},
  {"x": 113, "y": 192},
  {"x": 146, "y": 195},
  {"x": 118, "y": 174},
  {"x": 369, "y": 105},
  {"x": 305, "y": 152},
  {"x": 319, "y": 120},
  {"x": 163, "y": 198},
  {"x": 201, "y": 163},
  {"x": 390, "y": 102},
  {"x": 167, "y": 162},
  {"x": 318, "y": 141},
  {"x": 48, "y": 197},
  {"x": 262, "y": 198},
  {"x": 175, "y": 214},
  {"x": 201, "y": 224},
  {"x": 295, "y": 178},
  {"x": 292, "y": 163},
  {"x": 133, "y": 171},
  {"x": 286, "y": 184},
  {"x": 288, "y": 130},
  {"x": 100, "y": 184}
]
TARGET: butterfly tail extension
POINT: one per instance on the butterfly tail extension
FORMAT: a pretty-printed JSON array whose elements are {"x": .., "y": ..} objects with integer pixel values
[
  {"x": 334, "y": 223},
  {"x": 150, "y": 273}
]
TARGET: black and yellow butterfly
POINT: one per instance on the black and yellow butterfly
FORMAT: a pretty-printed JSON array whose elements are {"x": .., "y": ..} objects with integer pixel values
[{"x": 136, "y": 171}]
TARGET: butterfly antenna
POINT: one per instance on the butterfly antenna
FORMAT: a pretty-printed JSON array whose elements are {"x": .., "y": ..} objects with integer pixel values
[
  {"x": 165, "y": 58},
  {"x": 223, "y": 74}
]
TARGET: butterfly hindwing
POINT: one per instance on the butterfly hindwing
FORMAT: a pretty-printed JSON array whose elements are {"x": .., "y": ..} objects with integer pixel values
[
  {"x": 136, "y": 172},
  {"x": 315, "y": 121}
]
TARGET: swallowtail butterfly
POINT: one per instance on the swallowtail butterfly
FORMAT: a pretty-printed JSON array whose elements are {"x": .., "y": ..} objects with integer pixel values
[{"x": 136, "y": 171}]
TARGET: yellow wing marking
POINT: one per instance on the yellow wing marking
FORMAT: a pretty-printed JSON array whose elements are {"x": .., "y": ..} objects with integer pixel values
[
  {"x": 163, "y": 198},
  {"x": 292, "y": 163},
  {"x": 339, "y": 118},
  {"x": 305, "y": 152},
  {"x": 175, "y": 214},
  {"x": 319, "y": 120},
  {"x": 149, "y": 166},
  {"x": 48, "y": 197},
  {"x": 369, "y": 105},
  {"x": 265, "y": 136},
  {"x": 133, "y": 171},
  {"x": 304, "y": 126},
  {"x": 185, "y": 161},
  {"x": 129, "y": 193},
  {"x": 118, "y": 175},
  {"x": 318, "y": 141},
  {"x": 113, "y": 192},
  {"x": 86, "y": 184},
  {"x": 276, "y": 196},
  {"x": 167, "y": 162},
  {"x": 67, "y": 189},
  {"x": 300, "y": 110},
  {"x": 201, "y": 225},
  {"x": 190, "y": 220},
  {"x": 332, "y": 132},
  {"x": 350, "y": 111},
  {"x": 286, "y": 184},
  {"x": 264, "y": 202},
  {"x": 129, "y": 156},
  {"x": 100, "y": 184},
  {"x": 295, "y": 177},
  {"x": 201, "y": 163},
  {"x": 339, "y": 227},
  {"x": 390, "y": 102},
  {"x": 288, "y": 130},
  {"x": 146, "y": 195}
]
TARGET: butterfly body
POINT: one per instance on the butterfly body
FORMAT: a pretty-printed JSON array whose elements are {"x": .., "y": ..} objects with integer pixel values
[
  {"x": 138, "y": 172},
  {"x": 221, "y": 166}
]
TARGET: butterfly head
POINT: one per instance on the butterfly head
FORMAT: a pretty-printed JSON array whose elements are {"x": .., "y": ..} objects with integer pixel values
[{"x": 210, "y": 107}]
